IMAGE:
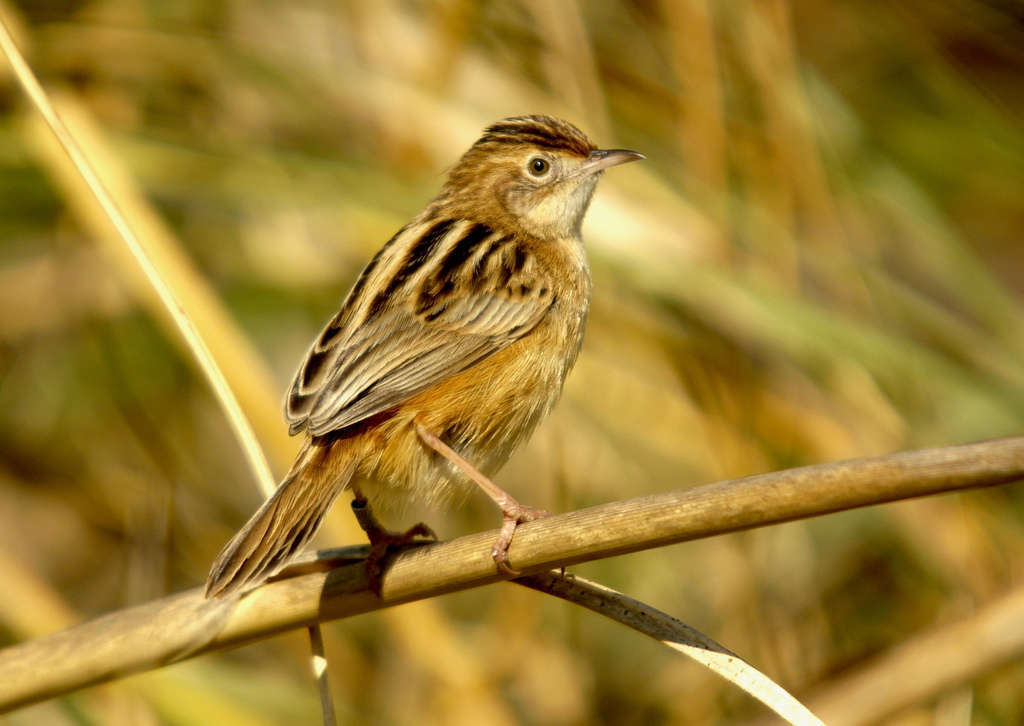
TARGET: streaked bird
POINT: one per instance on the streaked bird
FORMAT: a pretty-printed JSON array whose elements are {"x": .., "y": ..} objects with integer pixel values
[{"x": 451, "y": 347}]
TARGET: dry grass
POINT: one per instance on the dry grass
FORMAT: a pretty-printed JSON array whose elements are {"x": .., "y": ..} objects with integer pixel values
[{"x": 820, "y": 259}]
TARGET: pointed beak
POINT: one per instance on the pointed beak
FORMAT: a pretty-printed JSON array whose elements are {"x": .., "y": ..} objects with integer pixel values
[{"x": 601, "y": 159}]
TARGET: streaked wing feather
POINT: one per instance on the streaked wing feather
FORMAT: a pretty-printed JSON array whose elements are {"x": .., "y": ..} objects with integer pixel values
[
  {"x": 401, "y": 381},
  {"x": 400, "y": 352}
]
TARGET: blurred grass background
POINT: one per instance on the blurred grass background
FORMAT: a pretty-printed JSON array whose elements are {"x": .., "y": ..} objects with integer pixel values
[{"x": 821, "y": 258}]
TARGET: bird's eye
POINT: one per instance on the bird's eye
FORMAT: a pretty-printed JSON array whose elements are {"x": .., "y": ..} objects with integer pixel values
[{"x": 538, "y": 166}]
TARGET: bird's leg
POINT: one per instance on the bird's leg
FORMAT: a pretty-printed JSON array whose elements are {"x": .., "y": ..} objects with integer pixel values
[
  {"x": 512, "y": 511},
  {"x": 382, "y": 541}
]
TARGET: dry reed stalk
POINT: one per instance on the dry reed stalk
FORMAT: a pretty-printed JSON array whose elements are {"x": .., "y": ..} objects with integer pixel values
[
  {"x": 140, "y": 255},
  {"x": 184, "y": 625}
]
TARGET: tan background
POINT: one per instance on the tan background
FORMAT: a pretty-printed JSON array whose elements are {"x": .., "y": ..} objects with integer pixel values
[{"x": 820, "y": 259}]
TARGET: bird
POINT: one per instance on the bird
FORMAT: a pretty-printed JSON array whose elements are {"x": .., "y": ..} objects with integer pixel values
[{"x": 451, "y": 346}]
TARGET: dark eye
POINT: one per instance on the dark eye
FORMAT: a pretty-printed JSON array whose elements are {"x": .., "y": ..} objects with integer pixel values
[{"x": 538, "y": 166}]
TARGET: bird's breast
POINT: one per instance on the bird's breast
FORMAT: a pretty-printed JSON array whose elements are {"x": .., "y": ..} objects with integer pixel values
[{"x": 487, "y": 410}]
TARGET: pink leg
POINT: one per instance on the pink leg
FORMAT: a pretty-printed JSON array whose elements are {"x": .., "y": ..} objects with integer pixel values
[{"x": 512, "y": 511}]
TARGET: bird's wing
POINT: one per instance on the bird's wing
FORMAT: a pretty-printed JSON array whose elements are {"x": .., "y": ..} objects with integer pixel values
[{"x": 442, "y": 324}]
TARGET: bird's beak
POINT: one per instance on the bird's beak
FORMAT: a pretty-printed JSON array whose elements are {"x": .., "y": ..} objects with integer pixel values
[{"x": 601, "y": 159}]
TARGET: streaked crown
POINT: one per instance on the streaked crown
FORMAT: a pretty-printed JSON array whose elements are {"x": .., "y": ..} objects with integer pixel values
[{"x": 543, "y": 132}]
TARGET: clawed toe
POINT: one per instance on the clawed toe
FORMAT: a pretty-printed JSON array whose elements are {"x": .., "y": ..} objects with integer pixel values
[
  {"x": 514, "y": 516},
  {"x": 384, "y": 542},
  {"x": 420, "y": 529},
  {"x": 530, "y": 514}
]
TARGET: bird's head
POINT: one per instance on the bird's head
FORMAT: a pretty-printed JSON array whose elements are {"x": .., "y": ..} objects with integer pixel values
[{"x": 537, "y": 173}]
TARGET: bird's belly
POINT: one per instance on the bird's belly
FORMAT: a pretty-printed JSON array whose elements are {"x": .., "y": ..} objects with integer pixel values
[{"x": 483, "y": 413}]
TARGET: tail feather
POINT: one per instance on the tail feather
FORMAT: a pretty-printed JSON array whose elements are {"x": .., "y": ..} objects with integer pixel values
[{"x": 281, "y": 527}]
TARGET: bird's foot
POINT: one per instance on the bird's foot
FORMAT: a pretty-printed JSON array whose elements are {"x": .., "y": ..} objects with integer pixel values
[
  {"x": 384, "y": 542},
  {"x": 514, "y": 514}
]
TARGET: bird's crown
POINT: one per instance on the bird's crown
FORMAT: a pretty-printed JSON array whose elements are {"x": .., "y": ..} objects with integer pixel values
[{"x": 545, "y": 132}]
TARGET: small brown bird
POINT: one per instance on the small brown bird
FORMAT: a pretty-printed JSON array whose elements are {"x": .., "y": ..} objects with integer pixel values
[{"x": 450, "y": 348}]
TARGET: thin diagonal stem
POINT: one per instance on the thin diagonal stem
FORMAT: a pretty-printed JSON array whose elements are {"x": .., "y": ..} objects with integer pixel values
[
  {"x": 239, "y": 423},
  {"x": 676, "y": 635}
]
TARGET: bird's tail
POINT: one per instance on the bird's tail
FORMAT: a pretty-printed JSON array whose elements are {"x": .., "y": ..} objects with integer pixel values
[{"x": 284, "y": 524}]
